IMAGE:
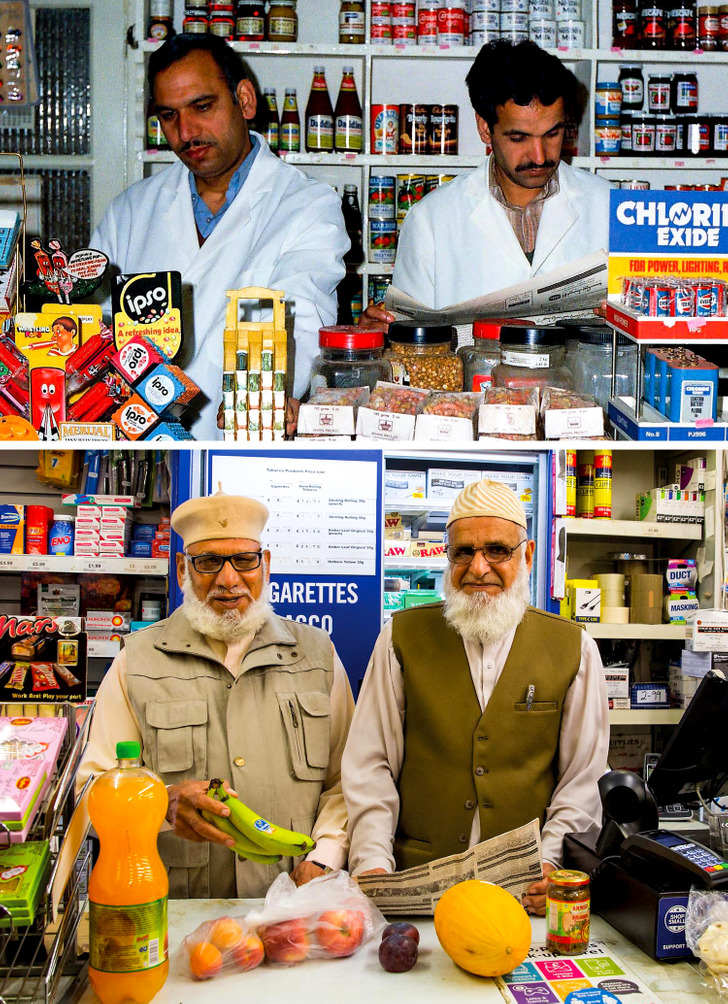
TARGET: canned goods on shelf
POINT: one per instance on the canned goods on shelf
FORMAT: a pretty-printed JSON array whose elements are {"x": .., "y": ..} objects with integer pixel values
[
  {"x": 410, "y": 189},
  {"x": 414, "y": 124},
  {"x": 442, "y": 136},
  {"x": 385, "y": 128},
  {"x": 382, "y": 196},
  {"x": 607, "y": 99},
  {"x": 568, "y": 10},
  {"x": 607, "y": 137},
  {"x": 542, "y": 31},
  {"x": 382, "y": 241},
  {"x": 570, "y": 34},
  {"x": 452, "y": 26}
]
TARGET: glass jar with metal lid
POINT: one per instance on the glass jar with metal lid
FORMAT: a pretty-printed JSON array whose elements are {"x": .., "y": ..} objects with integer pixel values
[
  {"x": 422, "y": 356},
  {"x": 533, "y": 357},
  {"x": 589, "y": 357},
  {"x": 350, "y": 357},
  {"x": 567, "y": 912},
  {"x": 480, "y": 358},
  {"x": 282, "y": 21}
]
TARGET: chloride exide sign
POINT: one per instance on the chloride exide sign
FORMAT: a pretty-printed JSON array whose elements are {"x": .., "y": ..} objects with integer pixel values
[{"x": 657, "y": 233}]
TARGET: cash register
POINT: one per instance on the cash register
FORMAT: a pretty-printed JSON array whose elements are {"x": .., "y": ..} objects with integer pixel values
[{"x": 641, "y": 874}]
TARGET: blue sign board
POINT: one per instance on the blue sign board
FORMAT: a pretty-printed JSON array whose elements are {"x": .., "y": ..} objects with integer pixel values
[{"x": 668, "y": 223}]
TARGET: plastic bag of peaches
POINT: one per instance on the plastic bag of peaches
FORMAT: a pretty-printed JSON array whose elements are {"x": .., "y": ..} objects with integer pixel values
[{"x": 328, "y": 918}]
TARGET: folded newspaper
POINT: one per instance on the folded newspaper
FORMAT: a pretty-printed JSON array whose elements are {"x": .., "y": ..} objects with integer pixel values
[
  {"x": 571, "y": 291},
  {"x": 511, "y": 860}
]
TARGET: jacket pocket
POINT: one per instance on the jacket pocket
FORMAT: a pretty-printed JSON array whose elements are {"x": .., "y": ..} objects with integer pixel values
[
  {"x": 548, "y": 706},
  {"x": 307, "y": 721},
  {"x": 179, "y": 736}
]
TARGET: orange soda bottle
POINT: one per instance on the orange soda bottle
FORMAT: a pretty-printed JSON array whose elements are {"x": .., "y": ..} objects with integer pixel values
[{"x": 128, "y": 885}]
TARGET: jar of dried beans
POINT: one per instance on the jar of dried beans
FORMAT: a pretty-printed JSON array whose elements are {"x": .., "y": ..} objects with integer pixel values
[{"x": 422, "y": 356}]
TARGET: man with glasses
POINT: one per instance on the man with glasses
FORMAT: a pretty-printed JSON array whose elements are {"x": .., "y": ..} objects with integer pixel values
[
  {"x": 478, "y": 714},
  {"x": 226, "y": 688}
]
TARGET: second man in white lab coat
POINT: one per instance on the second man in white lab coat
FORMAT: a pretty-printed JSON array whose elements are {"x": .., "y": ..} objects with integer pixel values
[
  {"x": 228, "y": 215},
  {"x": 521, "y": 213}
]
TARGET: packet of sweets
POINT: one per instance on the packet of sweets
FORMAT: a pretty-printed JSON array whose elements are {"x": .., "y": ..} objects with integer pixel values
[
  {"x": 66, "y": 675},
  {"x": 43, "y": 676},
  {"x": 17, "y": 677}
]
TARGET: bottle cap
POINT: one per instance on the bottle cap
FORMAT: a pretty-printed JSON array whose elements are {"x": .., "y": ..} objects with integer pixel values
[{"x": 129, "y": 750}]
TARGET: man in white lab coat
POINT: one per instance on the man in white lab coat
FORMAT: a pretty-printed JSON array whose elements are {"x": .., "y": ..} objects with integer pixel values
[
  {"x": 524, "y": 211},
  {"x": 228, "y": 215}
]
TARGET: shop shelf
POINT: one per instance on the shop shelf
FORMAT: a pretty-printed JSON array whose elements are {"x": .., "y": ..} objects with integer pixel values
[
  {"x": 653, "y": 427},
  {"x": 668, "y": 716},
  {"x": 60, "y": 563},
  {"x": 679, "y": 163},
  {"x": 418, "y": 505},
  {"x": 419, "y": 564},
  {"x": 638, "y": 632},
  {"x": 632, "y": 528}
]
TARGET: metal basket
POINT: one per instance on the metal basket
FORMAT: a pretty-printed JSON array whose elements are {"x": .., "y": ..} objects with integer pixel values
[{"x": 36, "y": 962}]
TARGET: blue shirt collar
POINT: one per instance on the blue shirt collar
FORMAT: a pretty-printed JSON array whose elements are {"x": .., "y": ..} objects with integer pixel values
[{"x": 205, "y": 220}]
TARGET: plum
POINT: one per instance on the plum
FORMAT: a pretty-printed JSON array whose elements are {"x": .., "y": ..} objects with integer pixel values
[
  {"x": 401, "y": 927},
  {"x": 398, "y": 953}
]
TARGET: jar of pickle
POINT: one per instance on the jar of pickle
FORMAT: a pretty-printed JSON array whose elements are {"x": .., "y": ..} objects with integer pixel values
[
  {"x": 350, "y": 357},
  {"x": 422, "y": 356},
  {"x": 567, "y": 912},
  {"x": 533, "y": 357},
  {"x": 282, "y": 21},
  {"x": 480, "y": 358}
]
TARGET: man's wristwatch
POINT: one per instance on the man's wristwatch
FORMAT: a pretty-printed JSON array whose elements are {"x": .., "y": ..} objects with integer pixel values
[{"x": 326, "y": 868}]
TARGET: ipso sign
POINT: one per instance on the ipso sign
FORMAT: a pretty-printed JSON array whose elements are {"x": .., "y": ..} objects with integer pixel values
[{"x": 668, "y": 221}]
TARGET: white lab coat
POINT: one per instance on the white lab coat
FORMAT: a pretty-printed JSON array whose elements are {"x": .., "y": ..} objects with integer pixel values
[
  {"x": 282, "y": 231},
  {"x": 458, "y": 242}
]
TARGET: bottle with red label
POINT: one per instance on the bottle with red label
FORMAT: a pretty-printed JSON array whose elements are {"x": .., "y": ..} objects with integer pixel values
[
  {"x": 348, "y": 125},
  {"x": 319, "y": 115}
]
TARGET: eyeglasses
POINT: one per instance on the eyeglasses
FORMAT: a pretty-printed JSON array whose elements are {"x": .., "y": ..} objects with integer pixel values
[
  {"x": 211, "y": 564},
  {"x": 494, "y": 554}
]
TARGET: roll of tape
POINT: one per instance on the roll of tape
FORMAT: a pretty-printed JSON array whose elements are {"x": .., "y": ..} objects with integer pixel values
[{"x": 615, "y": 615}]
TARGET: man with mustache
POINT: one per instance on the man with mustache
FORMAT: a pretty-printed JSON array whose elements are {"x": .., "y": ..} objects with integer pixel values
[
  {"x": 226, "y": 688},
  {"x": 230, "y": 214},
  {"x": 524, "y": 211},
  {"x": 478, "y": 714}
]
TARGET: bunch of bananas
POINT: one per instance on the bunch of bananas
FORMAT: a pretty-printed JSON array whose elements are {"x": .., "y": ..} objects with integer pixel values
[{"x": 255, "y": 838}]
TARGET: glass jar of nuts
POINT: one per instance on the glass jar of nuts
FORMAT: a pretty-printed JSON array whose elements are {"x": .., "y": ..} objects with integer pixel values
[{"x": 422, "y": 356}]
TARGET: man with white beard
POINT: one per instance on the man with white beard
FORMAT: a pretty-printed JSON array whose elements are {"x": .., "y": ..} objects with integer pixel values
[
  {"x": 226, "y": 688},
  {"x": 476, "y": 715}
]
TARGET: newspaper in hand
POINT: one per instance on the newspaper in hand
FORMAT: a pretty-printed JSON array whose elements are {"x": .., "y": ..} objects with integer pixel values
[
  {"x": 570, "y": 291},
  {"x": 511, "y": 860}
]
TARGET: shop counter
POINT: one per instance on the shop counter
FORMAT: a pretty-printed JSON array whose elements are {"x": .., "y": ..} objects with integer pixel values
[{"x": 434, "y": 979}]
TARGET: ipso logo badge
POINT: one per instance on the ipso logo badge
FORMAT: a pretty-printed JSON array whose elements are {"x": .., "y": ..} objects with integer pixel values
[
  {"x": 675, "y": 919},
  {"x": 672, "y": 222}
]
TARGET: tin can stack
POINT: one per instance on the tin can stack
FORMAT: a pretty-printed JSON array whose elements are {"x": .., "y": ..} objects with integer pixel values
[{"x": 667, "y": 296}]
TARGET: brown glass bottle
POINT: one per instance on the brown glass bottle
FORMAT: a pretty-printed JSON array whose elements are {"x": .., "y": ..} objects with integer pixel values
[
  {"x": 653, "y": 24},
  {"x": 271, "y": 131},
  {"x": 347, "y": 116},
  {"x": 319, "y": 115},
  {"x": 289, "y": 135}
]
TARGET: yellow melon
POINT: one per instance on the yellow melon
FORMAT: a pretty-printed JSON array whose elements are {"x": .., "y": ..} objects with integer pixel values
[{"x": 483, "y": 928}]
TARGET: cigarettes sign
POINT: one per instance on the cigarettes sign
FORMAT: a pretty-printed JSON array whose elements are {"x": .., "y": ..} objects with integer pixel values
[{"x": 667, "y": 233}]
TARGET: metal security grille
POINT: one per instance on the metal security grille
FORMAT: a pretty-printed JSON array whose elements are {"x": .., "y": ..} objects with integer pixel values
[
  {"x": 62, "y": 120},
  {"x": 65, "y": 207}
]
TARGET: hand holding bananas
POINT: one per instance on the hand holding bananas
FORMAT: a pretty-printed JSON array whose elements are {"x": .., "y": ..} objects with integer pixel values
[
  {"x": 254, "y": 837},
  {"x": 186, "y": 801}
]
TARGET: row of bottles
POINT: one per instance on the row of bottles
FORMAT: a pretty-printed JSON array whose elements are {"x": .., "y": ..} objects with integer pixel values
[{"x": 326, "y": 129}]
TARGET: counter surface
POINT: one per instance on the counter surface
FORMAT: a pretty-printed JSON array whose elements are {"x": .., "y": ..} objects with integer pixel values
[{"x": 433, "y": 980}]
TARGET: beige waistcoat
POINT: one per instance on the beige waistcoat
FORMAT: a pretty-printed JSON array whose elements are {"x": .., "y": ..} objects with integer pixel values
[{"x": 266, "y": 732}]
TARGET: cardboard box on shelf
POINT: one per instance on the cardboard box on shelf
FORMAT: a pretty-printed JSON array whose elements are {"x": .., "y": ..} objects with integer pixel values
[
  {"x": 627, "y": 748},
  {"x": 444, "y": 483},
  {"x": 707, "y": 631},
  {"x": 404, "y": 486}
]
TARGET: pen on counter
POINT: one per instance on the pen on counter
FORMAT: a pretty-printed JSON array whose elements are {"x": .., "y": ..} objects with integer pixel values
[{"x": 529, "y": 696}]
